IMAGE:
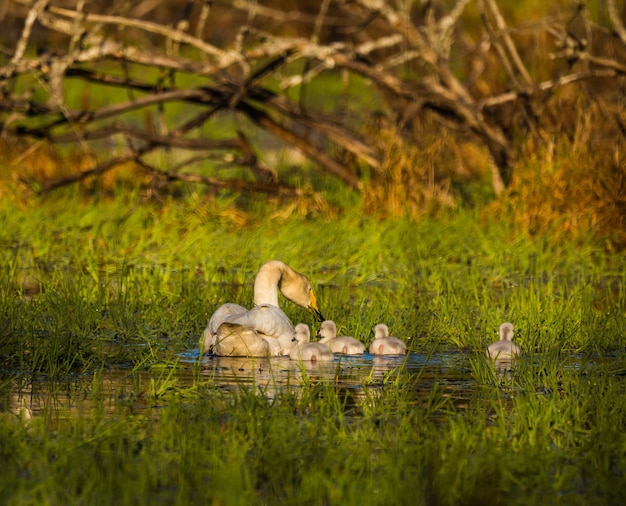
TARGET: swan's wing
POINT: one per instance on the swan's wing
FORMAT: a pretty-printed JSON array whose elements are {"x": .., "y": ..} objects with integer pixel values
[
  {"x": 222, "y": 314},
  {"x": 237, "y": 340},
  {"x": 269, "y": 322},
  {"x": 217, "y": 318}
]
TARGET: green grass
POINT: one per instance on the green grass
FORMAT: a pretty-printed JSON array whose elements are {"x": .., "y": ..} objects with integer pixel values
[
  {"x": 86, "y": 287},
  {"x": 524, "y": 443}
]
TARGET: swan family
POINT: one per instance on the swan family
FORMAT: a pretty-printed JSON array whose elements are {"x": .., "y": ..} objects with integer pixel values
[{"x": 266, "y": 331}]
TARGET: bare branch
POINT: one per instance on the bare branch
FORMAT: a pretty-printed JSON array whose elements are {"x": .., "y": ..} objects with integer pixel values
[
  {"x": 256, "y": 9},
  {"x": 231, "y": 184},
  {"x": 549, "y": 85},
  {"x": 225, "y": 58},
  {"x": 508, "y": 43},
  {"x": 155, "y": 140},
  {"x": 33, "y": 13},
  {"x": 415, "y": 38},
  {"x": 417, "y": 71},
  {"x": 616, "y": 21}
]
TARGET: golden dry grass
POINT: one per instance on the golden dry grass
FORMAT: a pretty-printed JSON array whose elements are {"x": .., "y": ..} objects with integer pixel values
[
  {"x": 412, "y": 181},
  {"x": 26, "y": 166},
  {"x": 573, "y": 182},
  {"x": 571, "y": 191}
]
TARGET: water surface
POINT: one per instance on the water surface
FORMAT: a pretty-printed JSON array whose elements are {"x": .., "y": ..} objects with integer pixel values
[{"x": 122, "y": 386}]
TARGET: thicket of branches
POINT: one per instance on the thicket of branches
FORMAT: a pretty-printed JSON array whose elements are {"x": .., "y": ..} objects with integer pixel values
[{"x": 464, "y": 72}]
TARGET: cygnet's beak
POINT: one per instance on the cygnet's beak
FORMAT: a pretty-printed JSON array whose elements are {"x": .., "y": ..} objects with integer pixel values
[{"x": 314, "y": 308}]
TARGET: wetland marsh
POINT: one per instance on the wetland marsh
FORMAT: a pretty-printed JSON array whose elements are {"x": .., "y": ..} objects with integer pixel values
[
  {"x": 145, "y": 178},
  {"x": 105, "y": 398}
]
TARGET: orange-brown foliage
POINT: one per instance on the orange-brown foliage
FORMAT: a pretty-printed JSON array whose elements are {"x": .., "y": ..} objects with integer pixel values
[
  {"x": 413, "y": 180},
  {"x": 573, "y": 184},
  {"x": 25, "y": 166}
]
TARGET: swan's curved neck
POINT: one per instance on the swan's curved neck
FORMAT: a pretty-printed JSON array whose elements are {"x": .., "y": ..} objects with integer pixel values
[{"x": 267, "y": 282}]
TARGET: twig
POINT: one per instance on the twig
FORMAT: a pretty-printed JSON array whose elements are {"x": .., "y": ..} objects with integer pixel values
[
  {"x": 508, "y": 43},
  {"x": 616, "y": 21},
  {"x": 548, "y": 85},
  {"x": 33, "y": 13},
  {"x": 232, "y": 184},
  {"x": 225, "y": 58}
]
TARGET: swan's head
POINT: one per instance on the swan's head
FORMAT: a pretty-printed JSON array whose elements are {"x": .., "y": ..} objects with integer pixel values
[
  {"x": 294, "y": 286},
  {"x": 297, "y": 288}
]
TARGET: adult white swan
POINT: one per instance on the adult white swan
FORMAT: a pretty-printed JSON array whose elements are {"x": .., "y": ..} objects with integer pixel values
[
  {"x": 339, "y": 344},
  {"x": 305, "y": 350},
  {"x": 505, "y": 348},
  {"x": 265, "y": 330},
  {"x": 383, "y": 344}
]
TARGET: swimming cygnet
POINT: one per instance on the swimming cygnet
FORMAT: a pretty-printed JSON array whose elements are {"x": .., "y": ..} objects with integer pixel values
[
  {"x": 307, "y": 351},
  {"x": 383, "y": 344},
  {"x": 505, "y": 348},
  {"x": 343, "y": 344}
]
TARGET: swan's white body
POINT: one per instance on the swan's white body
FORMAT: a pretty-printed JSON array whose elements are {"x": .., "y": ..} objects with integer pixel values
[
  {"x": 307, "y": 351},
  {"x": 505, "y": 348},
  {"x": 345, "y": 345},
  {"x": 264, "y": 330},
  {"x": 384, "y": 344}
]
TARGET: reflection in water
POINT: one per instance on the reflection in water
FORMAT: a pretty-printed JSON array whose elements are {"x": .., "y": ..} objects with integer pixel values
[
  {"x": 79, "y": 393},
  {"x": 346, "y": 370},
  {"x": 123, "y": 387},
  {"x": 350, "y": 373},
  {"x": 504, "y": 367},
  {"x": 356, "y": 378},
  {"x": 268, "y": 375}
]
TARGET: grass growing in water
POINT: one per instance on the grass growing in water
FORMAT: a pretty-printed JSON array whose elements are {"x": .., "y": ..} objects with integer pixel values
[
  {"x": 84, "y": 292},
  {"x": 508, "y": 445}
]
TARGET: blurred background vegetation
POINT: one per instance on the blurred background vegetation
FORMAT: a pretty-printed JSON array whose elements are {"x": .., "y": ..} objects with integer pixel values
[{"x": 394, "y": 109}]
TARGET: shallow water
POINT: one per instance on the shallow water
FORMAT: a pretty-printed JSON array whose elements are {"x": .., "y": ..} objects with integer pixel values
[{"x": 122, "y": 386}]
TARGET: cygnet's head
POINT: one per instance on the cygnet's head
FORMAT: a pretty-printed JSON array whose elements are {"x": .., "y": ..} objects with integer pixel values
[
  {"x": 302, "y": 333},
  {"x": 328, "y": 329},
  {"x": 381, "y": 330},
  {"x": 506, "y": 331}
]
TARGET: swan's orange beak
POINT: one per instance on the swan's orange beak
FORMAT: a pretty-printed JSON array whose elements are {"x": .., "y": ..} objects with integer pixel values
[{"x": 314, "y": 308}]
